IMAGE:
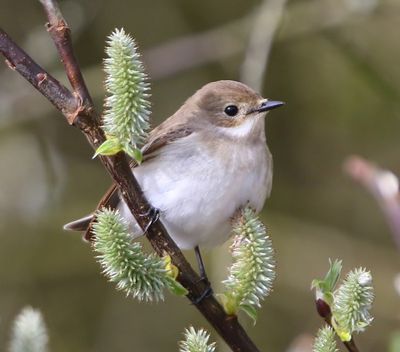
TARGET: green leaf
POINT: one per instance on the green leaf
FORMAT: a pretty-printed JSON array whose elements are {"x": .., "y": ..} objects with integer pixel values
[
  {"x": 176, "y": 288},
  {"x": 324, "y": 288},
  {"x": 134, "y": 153},
  {"x": 251, "y": 311},
  {"x": 110, "y": 146},
  {"x": 333, "y": 274},
  {"x": 229, "y": 303},
  {"x": 330, "y": 280},
  {"x": 172, "y": 271}
]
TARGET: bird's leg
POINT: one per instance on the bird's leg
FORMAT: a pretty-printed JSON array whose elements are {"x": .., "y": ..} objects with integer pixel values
[
  {"x": 200, "y": 263},
  {"x": 153, "y": 214},
  {"x": 203, "y": 276}
]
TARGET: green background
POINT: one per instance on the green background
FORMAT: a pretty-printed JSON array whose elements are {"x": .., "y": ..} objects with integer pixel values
[{"x": 335, "y": 63}]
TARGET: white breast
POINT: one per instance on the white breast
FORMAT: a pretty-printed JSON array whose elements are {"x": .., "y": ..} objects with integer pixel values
[{"x": 197, "y": 190}]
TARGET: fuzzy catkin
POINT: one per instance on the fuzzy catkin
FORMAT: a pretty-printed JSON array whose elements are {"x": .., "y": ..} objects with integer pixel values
[
  {"x": 252, "y": 273},
  {"x": 325, "y": 340},
  {"x": 353, "y": 302},
  {"x": 139, "y": 275},
  {"x": 196, "y": 341},
  {"x": 127, "y": 106},
  {"x": 29, "y": 332}
]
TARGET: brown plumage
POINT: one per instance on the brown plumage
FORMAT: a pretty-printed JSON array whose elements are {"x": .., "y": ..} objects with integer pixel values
[{"x": 202, "y": 163}]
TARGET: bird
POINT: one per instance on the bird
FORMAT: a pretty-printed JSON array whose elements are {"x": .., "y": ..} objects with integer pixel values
[{"x": 201, "y": 165}]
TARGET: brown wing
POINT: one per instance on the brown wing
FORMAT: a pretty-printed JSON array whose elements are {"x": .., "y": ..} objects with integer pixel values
[
  {"x": 110, "y": 200},
  {"x": 158, "y": 138}
]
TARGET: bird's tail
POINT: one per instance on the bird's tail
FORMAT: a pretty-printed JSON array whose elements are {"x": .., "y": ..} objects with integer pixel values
[{"x": 81, "y": 224}]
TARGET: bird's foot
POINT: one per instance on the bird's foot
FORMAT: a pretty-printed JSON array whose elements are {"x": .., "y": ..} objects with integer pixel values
[
  {"x": 153, "y": 214},
  {"x": 208, "y": 291},
  {"x": 203, "y": 277}
]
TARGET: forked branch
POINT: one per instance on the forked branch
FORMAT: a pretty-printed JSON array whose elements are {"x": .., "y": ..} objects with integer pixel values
[{"x": 78, "y": 108}]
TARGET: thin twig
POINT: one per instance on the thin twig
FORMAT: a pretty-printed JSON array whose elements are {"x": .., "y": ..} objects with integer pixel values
[
  {"x": 213, "y": 45},
  {"x": 383, "y": 185},
  {"x": 84, "y": 117},
  {"x": 267, "y": 19},
  {"x": 351, "y": 345},
  {"x": 324, "y": 311},
  {"x": 53, "y": 90},
  {"x": 61, "y": 35}
]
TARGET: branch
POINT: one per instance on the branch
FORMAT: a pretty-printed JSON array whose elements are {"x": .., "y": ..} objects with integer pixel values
[
  {"x": 53, "y": 90},
  {"x": 61, "y": 35},
  {"x": 80, "y": 112},
  {"x": 214, "y": 45},
  {"x": 266, "y": 23},
  {"x": 384, "y": 187}
]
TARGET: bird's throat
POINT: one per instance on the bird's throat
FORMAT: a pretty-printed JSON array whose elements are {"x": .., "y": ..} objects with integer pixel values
[{"x": 251, "y": 127}]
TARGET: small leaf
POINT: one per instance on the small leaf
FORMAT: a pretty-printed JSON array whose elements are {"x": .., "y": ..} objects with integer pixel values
[
  {"x": 110, "y": 146},
  {"x": 331, "y": 278},
  {"x": 250, "y": 311},
  {"x": 324, "y": 288},
  {"x": 134, "y": 153},
  {"x": 172, "y": 270},
  {"x": 333, "y": 274},
  {"x": 176, "y": 288},
  {"x": 229, "y": 303}
]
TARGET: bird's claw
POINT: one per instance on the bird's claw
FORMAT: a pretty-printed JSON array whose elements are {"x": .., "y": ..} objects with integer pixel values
[
  {"x": 153, "y": 214},
  {"x": 206, "y": 293}
]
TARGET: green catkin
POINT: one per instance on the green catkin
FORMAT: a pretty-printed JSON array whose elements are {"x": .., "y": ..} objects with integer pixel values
[
  {"x": 352, "y": 304},
  {"x": 325, "y": 340},
  {"x": 139, "y": 275},
  {"x": 127, "y": 108},
  {"x": 252, "y": 273}
]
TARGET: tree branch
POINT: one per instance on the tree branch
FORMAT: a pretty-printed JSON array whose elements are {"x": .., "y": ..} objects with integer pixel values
[
  {"x": 61, "y": 35},
  {"x": 214, "y": 45},
  {"x": 266, "y": 22},
  {"x": 53, "y": 90},
  {"x": 384, "y": 187},
  {"x": 78, "y": 108}
]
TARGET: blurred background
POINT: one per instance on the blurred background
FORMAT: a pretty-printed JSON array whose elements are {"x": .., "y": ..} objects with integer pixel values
[{"x": 335, "y": 63}]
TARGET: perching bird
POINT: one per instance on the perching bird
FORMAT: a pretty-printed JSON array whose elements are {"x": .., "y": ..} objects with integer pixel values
[{"x": 202, "y": 165}]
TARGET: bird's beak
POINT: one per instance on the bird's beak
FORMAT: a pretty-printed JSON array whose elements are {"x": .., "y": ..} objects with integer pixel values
[{"x": 267, "y": 105}]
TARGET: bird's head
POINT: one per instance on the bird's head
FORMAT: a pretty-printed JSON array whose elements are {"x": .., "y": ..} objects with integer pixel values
[{"x": 233, "y": 108}]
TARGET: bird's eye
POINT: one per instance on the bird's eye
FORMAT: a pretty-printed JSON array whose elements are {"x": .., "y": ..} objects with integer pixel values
[{"x": 231, "y": 110}]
